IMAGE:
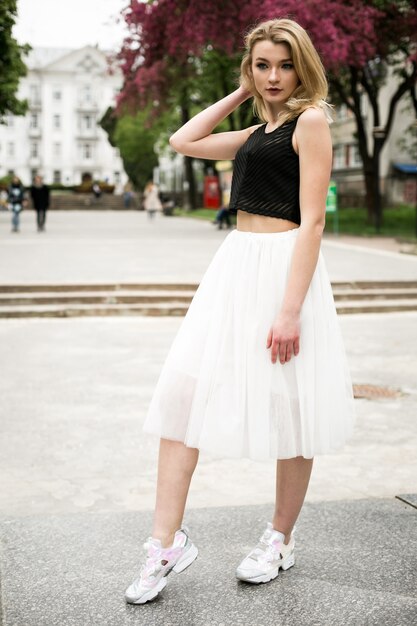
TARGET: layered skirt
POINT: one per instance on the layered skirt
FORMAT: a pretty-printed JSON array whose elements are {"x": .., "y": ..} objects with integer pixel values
[{"x": 218, "y": 389}]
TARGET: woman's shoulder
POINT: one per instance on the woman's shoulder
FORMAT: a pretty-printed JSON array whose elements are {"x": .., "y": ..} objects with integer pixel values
[
  {"x": 311, "y": 124},
  {"x": 313, "y": 118}
]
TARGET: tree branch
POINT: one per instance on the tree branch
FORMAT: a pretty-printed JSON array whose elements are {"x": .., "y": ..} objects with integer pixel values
[{"x": 409, "y": 84}]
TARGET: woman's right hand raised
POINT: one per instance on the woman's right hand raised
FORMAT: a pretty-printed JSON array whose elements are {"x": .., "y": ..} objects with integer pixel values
[{"x": 196, "y": 138}]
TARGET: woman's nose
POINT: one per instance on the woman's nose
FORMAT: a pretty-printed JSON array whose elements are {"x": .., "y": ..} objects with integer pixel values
[{"x": 274, "y": 75}]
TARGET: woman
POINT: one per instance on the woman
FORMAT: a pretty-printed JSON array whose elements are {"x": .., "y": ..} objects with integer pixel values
[
  {"x": 258, "y": 367},
  {"x": 151, "y": 202}
]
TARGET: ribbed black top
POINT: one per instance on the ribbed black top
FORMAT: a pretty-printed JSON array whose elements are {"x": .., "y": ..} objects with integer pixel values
[{"x": 266, "y": 174}]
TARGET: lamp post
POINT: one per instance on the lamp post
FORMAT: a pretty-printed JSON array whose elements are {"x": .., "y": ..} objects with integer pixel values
[{"x": 378, "y": 133}]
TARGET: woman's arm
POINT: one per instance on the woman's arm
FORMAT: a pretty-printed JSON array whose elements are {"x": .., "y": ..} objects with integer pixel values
[
  {"x": 315, "y": 152},
  {"x": 195, "y": 138}
]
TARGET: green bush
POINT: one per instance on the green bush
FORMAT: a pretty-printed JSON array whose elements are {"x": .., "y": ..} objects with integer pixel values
[{"x": 87, "y": 187}]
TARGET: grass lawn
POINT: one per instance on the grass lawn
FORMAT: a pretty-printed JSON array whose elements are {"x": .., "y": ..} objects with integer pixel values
[{"x": 398, "y": 221}]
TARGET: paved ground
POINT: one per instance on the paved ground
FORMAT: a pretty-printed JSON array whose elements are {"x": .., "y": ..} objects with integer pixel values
[
  {"x": 77, "y": 475},
  {"x": 354, "y": 568},
  {"x": 122, "y": 246},
  {"x": 74, "y": 394}
]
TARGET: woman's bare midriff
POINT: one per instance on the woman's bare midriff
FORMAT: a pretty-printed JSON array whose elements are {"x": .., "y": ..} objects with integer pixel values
[{"x": 249, "y": 222}]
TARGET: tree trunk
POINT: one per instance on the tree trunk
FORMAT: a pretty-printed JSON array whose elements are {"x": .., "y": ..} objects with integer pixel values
[
  {"x": 188, "y": 163},
  {"x": 192, "y": 187},
  {"x": 373, "y": 188},
  {"x": 369, "y": 180}
]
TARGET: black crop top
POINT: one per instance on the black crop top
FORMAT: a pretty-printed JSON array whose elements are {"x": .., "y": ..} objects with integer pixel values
[{"x": 266, "y": 174}]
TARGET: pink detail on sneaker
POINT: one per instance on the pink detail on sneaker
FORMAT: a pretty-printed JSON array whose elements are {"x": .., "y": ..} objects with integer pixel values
[{"x": 157, "y": 558}]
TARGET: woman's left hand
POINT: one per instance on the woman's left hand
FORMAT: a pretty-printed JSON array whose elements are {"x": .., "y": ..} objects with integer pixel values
[{"x": 284, "y": 337}]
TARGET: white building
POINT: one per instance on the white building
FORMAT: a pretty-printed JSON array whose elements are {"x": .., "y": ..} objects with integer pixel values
[{"x": 59, "y": 137}]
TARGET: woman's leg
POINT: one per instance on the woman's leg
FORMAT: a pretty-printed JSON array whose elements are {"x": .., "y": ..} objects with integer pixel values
[
  {"x": 292, "y": 480},
  {"x": 175, "y": 468}
]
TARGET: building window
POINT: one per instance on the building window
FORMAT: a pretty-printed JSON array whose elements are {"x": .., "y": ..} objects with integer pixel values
[
  {"x": 57, "y": 121},
  {"x": 34, "y": 120},
  {"x": 339, "y": 157},
  {"x": 87, "y": 96},
  {"x": 33, "y": 173},
  {"x": 86, "y": 150},
  {"x": 87, "y": 122},
  {"x": 117, "y": 177},
  {"x": 356, "y": 160},
  {"x": 57, "y": 177},
  {"x": 34, "y": 150},
  {"x": 10, "y": 121},
  {"x": 57, "y": 94},
  {"x": 34, "y": 93},
  {"x": 10, "y": 149},
  {"x": 57, "y": 149},
  {"x": 346, "y": 155}
]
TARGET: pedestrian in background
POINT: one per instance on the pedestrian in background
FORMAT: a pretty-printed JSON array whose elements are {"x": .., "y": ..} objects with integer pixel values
[
  {"x": 96, "y": 191},
  {"x": 151, "y": 201},
  {"x": 4, "y": 205},
  {"x": 16, "y": 200},
  {"x": 40, "y": 197},
  {"x": 258, "y": 367},
  {"x": 127, "y": 195},
  {"x": 222, "y": 215}
]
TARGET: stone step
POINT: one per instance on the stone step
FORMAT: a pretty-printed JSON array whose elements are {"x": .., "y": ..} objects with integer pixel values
[
  {"x": 165, "y": 299},
  {"x": 77, "y": 201},
  {"x": 338, "y": 287},
  {"x": 97, "y": 310},
  {"x": 372, "y": 306},
  {"x": 175, "y": 308},
  {"x": 374, "y": 294},
  {"x": 108, "y": 298},
  {"x": 127, "y": 296},
  {"x": 99, "y": 287},
  {"x": 351, "y": 289}
]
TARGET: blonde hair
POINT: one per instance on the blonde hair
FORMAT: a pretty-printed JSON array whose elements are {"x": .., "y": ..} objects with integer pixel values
[{"x": 313, "y": 88}]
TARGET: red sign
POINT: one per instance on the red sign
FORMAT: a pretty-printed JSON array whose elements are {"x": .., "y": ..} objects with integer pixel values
[{"x": 211, "y": 192}]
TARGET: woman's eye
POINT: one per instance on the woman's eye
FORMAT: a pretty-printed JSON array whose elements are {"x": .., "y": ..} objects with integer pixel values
[
  {"x": 288, "y": 66},
  {"x": 261, "y": 66}
]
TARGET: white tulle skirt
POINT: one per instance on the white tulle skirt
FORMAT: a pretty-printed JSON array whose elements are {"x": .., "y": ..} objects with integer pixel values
[{"x": 219, "y": 391}]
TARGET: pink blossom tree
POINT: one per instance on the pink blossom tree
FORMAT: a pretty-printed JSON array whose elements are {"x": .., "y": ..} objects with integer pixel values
[{"x": 361, "y": 43}]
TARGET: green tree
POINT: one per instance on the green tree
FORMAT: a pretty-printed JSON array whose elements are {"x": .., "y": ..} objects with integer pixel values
[
  {"x": 12, "y": 67},
  {"x": 135, "y": 136}
]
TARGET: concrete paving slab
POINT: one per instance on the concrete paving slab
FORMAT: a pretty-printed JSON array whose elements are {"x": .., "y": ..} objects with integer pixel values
[
  {"x": 408, "y": 498},
  {"x": 75, "y": 392},
  {"x": 354, "y": 566},
  {"x": 124, "y": 246}
]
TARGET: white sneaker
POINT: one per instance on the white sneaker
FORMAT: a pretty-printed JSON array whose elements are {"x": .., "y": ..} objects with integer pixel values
[
  {"x": 159, "y": 563},
  {"x": 263, "y": 563}
]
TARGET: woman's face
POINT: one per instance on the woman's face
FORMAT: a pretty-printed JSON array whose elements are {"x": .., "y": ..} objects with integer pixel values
[{"x": 273, "y": 72}]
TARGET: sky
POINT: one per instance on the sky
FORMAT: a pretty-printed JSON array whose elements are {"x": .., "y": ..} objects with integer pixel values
[{"x": 70, "y": 23}]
